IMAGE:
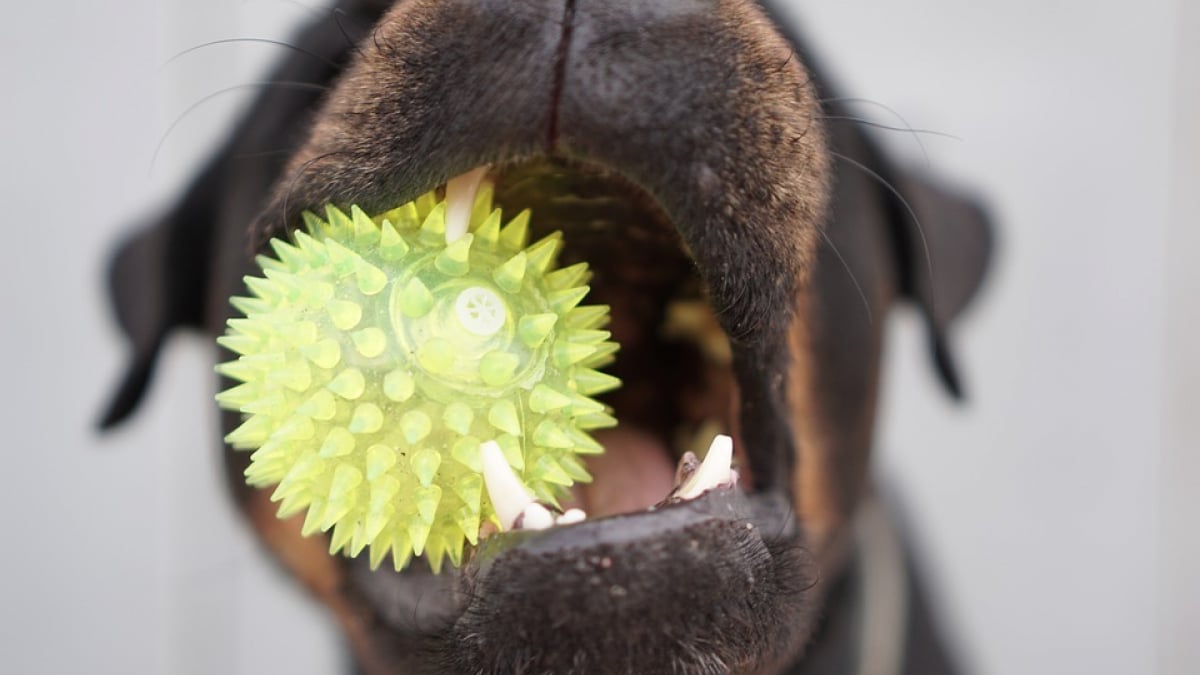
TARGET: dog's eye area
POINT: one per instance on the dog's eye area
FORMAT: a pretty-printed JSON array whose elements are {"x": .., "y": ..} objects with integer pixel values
[{"x": 678, "y": 393}]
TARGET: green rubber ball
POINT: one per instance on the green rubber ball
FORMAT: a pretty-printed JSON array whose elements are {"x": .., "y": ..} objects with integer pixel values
[{"x": 374, "y": 358}]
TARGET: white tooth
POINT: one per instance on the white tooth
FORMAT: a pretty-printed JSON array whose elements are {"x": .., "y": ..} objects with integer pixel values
[
  {"x": 509, "y": 497},
  {"x": 571, "y": 517},
  {"x": 715, "y": 470},
  {"x": 536, "y": 517},
  {"x": 460, "y": 200}
]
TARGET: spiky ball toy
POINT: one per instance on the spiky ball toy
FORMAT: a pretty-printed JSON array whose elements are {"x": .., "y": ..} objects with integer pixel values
[{"x": 375, "y": 358}]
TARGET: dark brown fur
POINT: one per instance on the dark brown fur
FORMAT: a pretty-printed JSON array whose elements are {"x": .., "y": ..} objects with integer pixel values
[{"x": 713, "y": 113}]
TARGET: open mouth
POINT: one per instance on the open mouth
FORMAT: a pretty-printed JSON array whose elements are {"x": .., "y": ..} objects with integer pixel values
[
  {"x": 678, "y": 405},
  {"x": 670, "y": 519}
]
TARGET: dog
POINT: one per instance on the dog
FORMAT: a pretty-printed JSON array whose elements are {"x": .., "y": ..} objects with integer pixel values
[{"x": 749, "y": 234}]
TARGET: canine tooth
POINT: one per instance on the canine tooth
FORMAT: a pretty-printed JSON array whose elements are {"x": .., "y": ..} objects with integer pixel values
[
  {"x": 536, "y": 517},
  {"x": 509, "y": 497},
  {"x": 714, "y": 471},
  {"x": 571, "y": 517},
  {"x": 460, "y": 201}
]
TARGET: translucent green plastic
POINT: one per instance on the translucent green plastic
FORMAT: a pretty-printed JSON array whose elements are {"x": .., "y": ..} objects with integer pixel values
[{"x": 374, "y": 359}]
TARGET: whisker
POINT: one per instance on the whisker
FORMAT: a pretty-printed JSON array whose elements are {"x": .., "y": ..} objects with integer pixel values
[
  {"x": 877, "y": 125},
  {"x": 914, "y": 132},
  {"x": 861, "y": 294},
  {"x": 263, "y": 228},
  {"x": 226, "y": 41},
  {"x": 299, "y": 86},
  {"x": 877, "y": 104},
  {"x": 890, "y": 188},
  {"x": 287, "y": 197},
  {"x": 338, "y": 15},
  {"x": 375, "y": 36},
  {"x": 895, "y": 113}
]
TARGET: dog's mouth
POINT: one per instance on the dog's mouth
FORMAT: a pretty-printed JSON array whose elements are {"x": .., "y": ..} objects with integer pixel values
[
  {"x": 674, "y": 145},
  {"x": 670, "y": 526},
  {"x": 678, "y": 403}
]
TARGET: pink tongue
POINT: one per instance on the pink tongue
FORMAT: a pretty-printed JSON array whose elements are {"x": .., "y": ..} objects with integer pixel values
[{"x": 634, "y": 473}]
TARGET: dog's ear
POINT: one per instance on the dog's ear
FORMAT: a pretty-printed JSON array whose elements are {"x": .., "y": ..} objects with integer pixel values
[
  {"x": 157, "y": 281},
  {"x": 942, "y": 238},
  {"x": 943, "y": 241}
]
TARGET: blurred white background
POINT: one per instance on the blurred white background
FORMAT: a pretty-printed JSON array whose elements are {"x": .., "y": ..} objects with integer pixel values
[{"x": 1056, "y": 508}]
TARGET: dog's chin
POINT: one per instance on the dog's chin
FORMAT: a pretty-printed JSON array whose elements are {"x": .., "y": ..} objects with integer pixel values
[{"x": 664, "y": 575}]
